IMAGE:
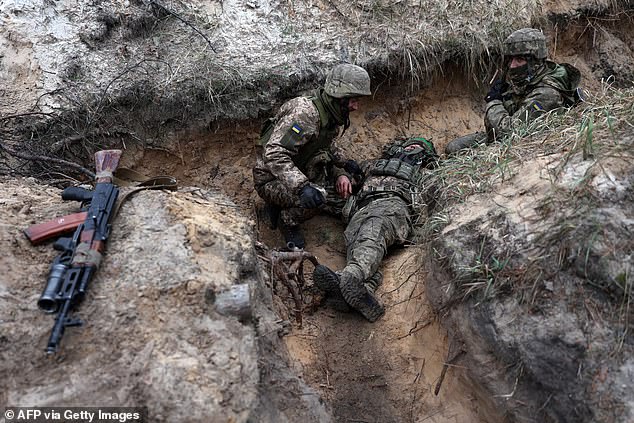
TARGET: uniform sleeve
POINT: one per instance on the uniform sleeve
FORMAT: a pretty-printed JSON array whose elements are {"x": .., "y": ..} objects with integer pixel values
[
  {"x": 338, "y": 155},
  {"x": 337, "y": 172},
  {"x": 297, "y": 124},
  {"x": 541, "y": 100}
]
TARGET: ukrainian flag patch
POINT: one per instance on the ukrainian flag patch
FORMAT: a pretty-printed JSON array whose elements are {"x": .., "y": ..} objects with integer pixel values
[
  {"x": 293, "y": 136},
  {"x": 538, "y": 107}
]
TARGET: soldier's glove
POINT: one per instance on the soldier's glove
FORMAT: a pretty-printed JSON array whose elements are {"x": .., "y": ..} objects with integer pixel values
[
  {"x": 496, "y": 91},
  {"x": 352, "y": 167},
  {"x": 310, "y": 197}
]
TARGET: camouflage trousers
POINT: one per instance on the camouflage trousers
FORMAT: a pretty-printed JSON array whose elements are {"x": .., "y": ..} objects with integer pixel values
[
  {"x": 375, "y": 226},
  {"x": 276, "y": 193}
]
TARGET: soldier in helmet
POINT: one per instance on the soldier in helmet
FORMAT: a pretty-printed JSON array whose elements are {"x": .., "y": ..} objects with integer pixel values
[
  {"x": 530, "y": 86},
  {"x": 299, "y": 170},
  {"x": 380, "y": 215}
]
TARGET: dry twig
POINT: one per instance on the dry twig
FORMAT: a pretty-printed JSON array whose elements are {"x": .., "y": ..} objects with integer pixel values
[
  {"x": 39, "y": 158},
  {"x": 455, "y": 351}
]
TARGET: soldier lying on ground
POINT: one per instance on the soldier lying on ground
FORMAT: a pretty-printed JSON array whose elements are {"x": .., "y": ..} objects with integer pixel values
[
  {"x": 296, "y": 153},
  {"x": 381, "y": 214},
  {"x": 530, "y": 86}
]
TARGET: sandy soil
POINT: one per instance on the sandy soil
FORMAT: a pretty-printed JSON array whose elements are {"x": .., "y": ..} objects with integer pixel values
[
  {"x": 382, "y": 372},
  {"x": 386, "y": 371}
]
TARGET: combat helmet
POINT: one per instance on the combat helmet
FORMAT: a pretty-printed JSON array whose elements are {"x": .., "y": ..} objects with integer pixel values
[
  {"x": 425, "y": 155},
  {"x": 347, "y": 80},
  {"x": 526, "y": 42}
]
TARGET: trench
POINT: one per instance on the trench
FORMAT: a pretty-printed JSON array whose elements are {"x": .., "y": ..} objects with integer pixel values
[{"x": 389, "y": 371}]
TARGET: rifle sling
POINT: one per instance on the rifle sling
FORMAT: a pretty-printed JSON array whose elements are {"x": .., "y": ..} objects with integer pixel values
[
  {"x": 43, "y": 231},
  {"x": 157, "y": 182}
]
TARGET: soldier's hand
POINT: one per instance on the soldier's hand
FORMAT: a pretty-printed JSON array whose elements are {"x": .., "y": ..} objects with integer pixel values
[
  {"x": 310, "y": 197},
  {"x": 343, "y": 186},
  {"x": 496, "y": 91},
  {"x": 352, "y": 167}
]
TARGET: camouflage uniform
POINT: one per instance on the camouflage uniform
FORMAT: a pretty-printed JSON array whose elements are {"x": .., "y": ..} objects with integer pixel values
[
  {"x": 553, "y": 87},
  {"x": 380, "y": 216},
  {"x": 539, "y": 87},
  {"x": 284, "y": 166},
  {"x": 296, "y": 147}
]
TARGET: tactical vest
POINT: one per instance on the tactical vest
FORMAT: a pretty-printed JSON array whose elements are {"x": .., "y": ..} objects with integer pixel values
[
  {"x": 406, "y": 188},
  {"x": 328, "y": 130},
  {"x": 395, "y": 167}
]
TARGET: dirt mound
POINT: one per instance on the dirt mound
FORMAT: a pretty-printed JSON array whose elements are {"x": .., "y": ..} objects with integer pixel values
[
  {"x": 154, "y": 333},
  {"x": 173, "y": 86}
]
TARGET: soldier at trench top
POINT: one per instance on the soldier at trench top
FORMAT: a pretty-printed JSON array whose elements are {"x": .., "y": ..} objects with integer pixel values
[
  {"x": 380, "y": 215},
  {"x": 529, "y": 87},
  {"x": 299, "y": 170}
]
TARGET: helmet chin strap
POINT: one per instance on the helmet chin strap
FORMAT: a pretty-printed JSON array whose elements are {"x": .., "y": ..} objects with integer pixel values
[{"x": 345, "y": 113}]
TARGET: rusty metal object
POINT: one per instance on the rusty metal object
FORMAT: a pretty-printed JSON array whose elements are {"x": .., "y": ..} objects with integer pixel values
[{"x": 288, "y": 267}]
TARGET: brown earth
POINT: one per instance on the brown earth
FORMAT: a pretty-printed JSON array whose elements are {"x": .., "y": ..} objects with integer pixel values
[
  {"x": 387, "y": 371},
  {"x": 368, "y": 372}
]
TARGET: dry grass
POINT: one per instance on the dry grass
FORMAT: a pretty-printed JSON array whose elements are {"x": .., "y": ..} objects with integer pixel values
[
  {"x": 416, "y": 39},
  {"x": 583, "y": 140},
  {"x": 589, "y": 130}
]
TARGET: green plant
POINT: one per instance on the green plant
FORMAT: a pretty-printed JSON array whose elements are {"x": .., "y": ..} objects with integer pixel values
[{"x": 482, "y": 279}]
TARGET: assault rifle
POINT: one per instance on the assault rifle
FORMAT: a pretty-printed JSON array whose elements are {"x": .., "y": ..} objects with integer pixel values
[{"x": 80, "y": 255}]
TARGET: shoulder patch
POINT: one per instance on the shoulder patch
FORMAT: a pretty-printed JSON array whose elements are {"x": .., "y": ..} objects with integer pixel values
[
  {"x": 292, "y": 136},
  {"x": 537, "y": 106}
]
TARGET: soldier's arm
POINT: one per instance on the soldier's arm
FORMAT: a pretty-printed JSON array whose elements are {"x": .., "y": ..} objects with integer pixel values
[
  {"x": 541, "y": 100},
  {"x": 337, "y": 153},
  {"x": 337, "y": 172},
  {"x": 297, "y": 124}
]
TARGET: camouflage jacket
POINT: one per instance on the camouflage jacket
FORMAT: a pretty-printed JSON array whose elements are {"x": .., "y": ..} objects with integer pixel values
[
  {"x": 554, "y": 87},
  {"x": 297, "y": 125}
]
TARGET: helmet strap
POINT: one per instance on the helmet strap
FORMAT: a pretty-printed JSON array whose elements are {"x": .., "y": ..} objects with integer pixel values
[
  {"x": 529, "y": 73},
  {"x": 345, "y": 113}
]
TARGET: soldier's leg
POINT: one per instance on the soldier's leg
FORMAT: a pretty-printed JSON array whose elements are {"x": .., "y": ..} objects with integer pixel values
[
  {"x": 465, "y": 141},
  {"x": 290, "y": 220},
  {"x": 366, "y": 248},
  {"x": 328, "y": 282},
  {"x": 375, "y": 281},
  {"x": 283, "y": 208},
  {"x": 371, "y": 231}
]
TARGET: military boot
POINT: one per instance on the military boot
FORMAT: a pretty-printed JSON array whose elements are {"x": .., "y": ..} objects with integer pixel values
[
  {"x": 357, "y": 294},
  {"x": 375, "y": 281},
  {"x": 328, "y": 282},
  {"x": 293, "y": 236},
  {"x": 466, "y": 141}
]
